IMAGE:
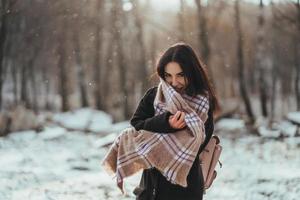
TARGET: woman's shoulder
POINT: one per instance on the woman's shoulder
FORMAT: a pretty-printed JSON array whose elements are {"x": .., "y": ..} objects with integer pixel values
[
  {"x": 150, "y": 94},
  {"x": 152, "y": 90}
]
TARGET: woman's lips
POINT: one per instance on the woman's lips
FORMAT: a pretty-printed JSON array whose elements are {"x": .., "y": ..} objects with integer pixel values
[{"x": 178, "y": 89}]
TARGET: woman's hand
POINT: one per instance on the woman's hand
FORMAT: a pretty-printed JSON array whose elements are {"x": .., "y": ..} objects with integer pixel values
[{"x": 177, "y": 121}]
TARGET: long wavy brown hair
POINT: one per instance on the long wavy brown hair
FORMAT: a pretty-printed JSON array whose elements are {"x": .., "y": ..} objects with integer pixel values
[{"x": 194, "y": 70}]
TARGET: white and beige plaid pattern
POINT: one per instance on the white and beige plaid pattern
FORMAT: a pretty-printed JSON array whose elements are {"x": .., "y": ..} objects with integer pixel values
[{"x": 172, "y": 154}]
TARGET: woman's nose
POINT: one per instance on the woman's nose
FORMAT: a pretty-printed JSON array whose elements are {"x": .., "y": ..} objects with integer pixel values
[{"x": 174, "y": 81}]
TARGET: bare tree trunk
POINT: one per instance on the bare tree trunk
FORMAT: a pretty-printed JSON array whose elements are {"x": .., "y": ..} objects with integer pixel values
[
  {"x": 97, "y": 68},
  {"x": 297, "y": 62},
  {"x": 36, "y": 49},
  {"x": 47, "y": 82},
  {"x": 3, "y": 33},
  {"x": 110, "y": 52},
  {"x": 297, "y": 71},
  {"x": 80, "y": 71},
  {"x": 24, "y": 95},
  {"x": 14, "y": 75},
  {"x": 153, "y": 49},
  {"x": 273, "y": 91},
  {"x": 32, "y": 78},
  {"x": 203, "y": 37},
  {"x": 25, "y": 67},
  {"x": 108, "y": 69},
  {"x": 142, "y": 64},
  {"x": 260, "y": 58},
  {"x": 240, "y": 57},
  {"x": 274, "y": 66},
  {"x": 5, "y": 7},
  {"x": 11, "y": 53},
  {"x": 122, "y": 65},
  {"x": 63, "y": 86},
  {"x": 181, "y": 21}
]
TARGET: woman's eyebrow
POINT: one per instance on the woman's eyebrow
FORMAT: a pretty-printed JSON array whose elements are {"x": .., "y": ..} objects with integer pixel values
[{"x": 180, "y": 73}]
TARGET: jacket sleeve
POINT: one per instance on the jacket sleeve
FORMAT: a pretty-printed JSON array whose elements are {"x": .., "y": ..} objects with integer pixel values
[{"x": 144, "y": 118}]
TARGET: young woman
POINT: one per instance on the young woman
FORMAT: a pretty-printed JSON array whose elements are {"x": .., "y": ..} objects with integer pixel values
[{"x": 179, "y": 67}]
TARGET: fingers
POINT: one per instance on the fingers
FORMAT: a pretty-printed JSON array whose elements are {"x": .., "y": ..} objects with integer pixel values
[
  {"x": 177, "y": 115},
  {"x": 183, "y": 124},
  {"x": 177, "y": 120},
  {"x": 180, "y": 121},
  {"x": 173, "y": 119}
]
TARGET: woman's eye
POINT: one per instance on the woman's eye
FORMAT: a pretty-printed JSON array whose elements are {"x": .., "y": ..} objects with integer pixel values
[{"x": 181, "y": 75}]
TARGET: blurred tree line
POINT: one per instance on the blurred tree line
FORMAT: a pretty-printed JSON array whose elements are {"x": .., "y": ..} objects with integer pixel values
[{"x": 62, "y": 55}]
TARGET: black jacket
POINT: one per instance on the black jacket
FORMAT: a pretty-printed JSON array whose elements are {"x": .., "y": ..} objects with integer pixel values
[{"x": 153, "y": 184}]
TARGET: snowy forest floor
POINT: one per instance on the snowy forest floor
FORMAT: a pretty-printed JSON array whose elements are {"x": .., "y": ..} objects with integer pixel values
[{"x": 57, "y": 164}]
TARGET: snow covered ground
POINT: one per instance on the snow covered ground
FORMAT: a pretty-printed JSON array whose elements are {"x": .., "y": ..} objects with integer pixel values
[{"x": 60, "y": 164}]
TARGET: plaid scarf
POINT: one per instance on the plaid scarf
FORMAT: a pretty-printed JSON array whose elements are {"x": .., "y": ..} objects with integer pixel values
[{"x": 172, "y": 154}]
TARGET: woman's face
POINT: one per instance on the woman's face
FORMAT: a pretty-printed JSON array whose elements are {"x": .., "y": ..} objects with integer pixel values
[{"x": 175, "y": 77}]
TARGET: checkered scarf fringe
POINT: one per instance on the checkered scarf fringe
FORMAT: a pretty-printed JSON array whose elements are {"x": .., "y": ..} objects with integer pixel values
[{"x": 172, "y": 154}]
